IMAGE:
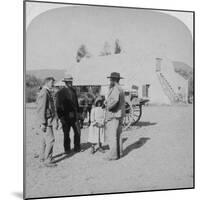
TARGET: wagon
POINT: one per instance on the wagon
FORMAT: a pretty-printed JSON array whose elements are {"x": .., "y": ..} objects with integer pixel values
[
  {"x": 133, "y": 109},
  {"x": 133, "y": 104}
]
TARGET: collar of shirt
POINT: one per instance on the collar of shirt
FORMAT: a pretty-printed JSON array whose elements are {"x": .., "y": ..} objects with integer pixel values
[{"x": 46, "y": 88}]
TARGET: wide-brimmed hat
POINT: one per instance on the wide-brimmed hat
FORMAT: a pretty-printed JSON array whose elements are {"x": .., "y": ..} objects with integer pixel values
[
  {"x": 115, "y": 75},
  {"x": 67, "y": 78}
]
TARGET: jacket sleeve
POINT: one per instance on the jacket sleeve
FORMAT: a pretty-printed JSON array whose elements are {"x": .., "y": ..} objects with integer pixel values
[
  {"x": 78, "y": 108},
  {"x": 59, "y": 105},
  {"x": 113, "y": 99},
  {"x": 41, "y": 107},
  {"x": 76, "y": 105}
]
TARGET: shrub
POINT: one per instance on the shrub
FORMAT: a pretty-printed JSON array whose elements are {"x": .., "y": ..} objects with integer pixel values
[{"x": 32, "y": 88}]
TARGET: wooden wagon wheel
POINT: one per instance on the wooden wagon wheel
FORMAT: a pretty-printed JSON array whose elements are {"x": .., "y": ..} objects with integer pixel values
[
  {"x": 137, "y": 113},
  {"x": 132, "y": 114}
]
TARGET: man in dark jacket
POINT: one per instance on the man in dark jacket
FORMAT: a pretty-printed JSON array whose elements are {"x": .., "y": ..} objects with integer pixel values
[{"x": 68, "y": 112}]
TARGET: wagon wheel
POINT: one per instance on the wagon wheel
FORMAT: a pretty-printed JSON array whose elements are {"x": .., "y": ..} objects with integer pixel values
[
  {"x": 137, "y": 113},
  {"x": 127, "y": 121},
  {"x": 132, "y": 114}
]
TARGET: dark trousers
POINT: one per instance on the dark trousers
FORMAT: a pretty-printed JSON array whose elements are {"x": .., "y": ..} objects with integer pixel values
[{"x": 77, "y": 133}]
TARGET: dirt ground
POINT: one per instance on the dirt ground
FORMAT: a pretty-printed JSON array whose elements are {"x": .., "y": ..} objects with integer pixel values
[{"x": 158, "y": 154}]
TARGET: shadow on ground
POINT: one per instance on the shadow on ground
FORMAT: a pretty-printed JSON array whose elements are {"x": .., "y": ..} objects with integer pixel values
[
  {"x": 85, "y": 146},
  {"x": 62, "y": 156},
  {"x": 135, "y": 145},
  {"x": 141, "y": 124},
  {"x": 124, "y": 139}
]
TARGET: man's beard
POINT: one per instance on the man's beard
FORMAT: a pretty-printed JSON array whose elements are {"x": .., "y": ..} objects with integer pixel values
[
  {"x": 69, "y": 85},
  {"x": 111, "y": 85}
]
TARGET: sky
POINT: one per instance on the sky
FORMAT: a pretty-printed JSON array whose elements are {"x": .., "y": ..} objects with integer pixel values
[
  {"x": 35, "y": 9},
  {"x": 53, "y": 37}
]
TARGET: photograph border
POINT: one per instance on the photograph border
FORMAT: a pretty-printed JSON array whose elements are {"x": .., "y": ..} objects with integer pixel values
[{"x": 24, "y": 97}]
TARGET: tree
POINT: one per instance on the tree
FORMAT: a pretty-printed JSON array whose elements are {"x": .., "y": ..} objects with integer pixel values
[
  {"x": 32, "y": 81},
  {"x": 106, "y": 50},
  {"x": 81, "y": 53},
  {"x": 117, "y": 47},
  {"x": 32, "y": 87}
]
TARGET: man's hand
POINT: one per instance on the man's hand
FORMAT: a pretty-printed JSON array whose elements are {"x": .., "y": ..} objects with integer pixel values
[
  {"x": 43, "y": 128},
  {"x": 56, "y": 125},
  {"x": 79, "y": 116},
  {"x": 62, "y": 120}
]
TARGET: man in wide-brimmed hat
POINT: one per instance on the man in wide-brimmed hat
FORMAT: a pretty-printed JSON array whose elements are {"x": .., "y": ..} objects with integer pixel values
[
  {"x": 115, "y": 111},
  {"x": 68, "y": 112}
]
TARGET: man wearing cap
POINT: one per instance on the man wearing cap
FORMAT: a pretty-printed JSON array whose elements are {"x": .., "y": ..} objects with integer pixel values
[
  {"x": 46, "y": 114},
  {"x": 115, "y": 111},
  {"x": 68, "y": 112}
]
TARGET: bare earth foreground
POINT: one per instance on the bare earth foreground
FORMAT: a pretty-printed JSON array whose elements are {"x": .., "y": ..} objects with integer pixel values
[{"x": 158, "y": 154}]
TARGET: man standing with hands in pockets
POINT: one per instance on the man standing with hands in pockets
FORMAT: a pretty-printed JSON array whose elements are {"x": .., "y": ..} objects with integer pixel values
[
  {"x": 69, "y": 113},
  {"x": 115, "y": 111},
  {"x": 46, "y": 114}
]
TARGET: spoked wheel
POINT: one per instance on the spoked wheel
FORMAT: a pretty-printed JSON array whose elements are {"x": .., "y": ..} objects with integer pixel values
[
  {"x": 132, "y": 115},
  {"x": 137, "y": 113}
]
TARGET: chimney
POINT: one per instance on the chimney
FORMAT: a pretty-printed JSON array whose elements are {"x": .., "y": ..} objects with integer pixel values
[{"x": 158, "y": 64}]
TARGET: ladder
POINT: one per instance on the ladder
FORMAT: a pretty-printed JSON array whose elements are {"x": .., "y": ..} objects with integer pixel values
[{"x": 167, "y": 88}]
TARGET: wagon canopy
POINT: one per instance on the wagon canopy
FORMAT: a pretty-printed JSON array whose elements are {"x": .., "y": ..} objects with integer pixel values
[
  {"x": 95, "y": 71},
  {"x": 136, "y": 69}
]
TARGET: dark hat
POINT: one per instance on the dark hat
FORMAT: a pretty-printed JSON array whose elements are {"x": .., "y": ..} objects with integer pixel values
[{"x": 115, "y": 75}]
